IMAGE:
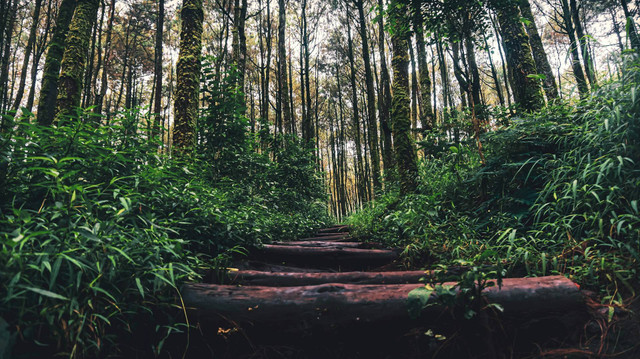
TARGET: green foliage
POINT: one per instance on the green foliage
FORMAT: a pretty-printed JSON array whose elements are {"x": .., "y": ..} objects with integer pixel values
[
  {"x": 98, "y": 231},
  {"x": 559, "y": 193}
]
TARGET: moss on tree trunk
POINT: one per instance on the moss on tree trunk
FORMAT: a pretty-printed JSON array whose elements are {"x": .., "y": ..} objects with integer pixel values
[
  {"x": 539, "y": 54},
  {"x": 403, "y": 143},
  {"x": 188, "y": 76},
  {"x": 526, "y": 86},
  {"x": 74, "y": 58},
  {"x": 49, "y": 88}
]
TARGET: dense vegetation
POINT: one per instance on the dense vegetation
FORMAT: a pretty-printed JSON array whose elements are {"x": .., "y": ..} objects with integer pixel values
[{"x": 558, "y": 194}]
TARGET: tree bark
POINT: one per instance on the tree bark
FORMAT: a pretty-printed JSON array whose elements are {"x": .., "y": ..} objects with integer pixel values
[
  {"x": 335, "y": 304},
  {"x": 74, "y": 59},
  {"x": 188, "y": 76},
  {"x": 283, "y": 80},
  {"x": 27, "y": 53},
  {"x": 49, "y": 87},
  {"x": 371, "y": 101},
  {"x": 385, "y": 101},
  {"x": 578, "y": 72},
  {"x": 157, "y": 101},
  {"x": 584, "y": 43},
  {"x": 426, "y": 111},
  {"x": 539, "y": 54},
  {"x": 405, "y": 151},
  {"x": 526, "y": 87}
]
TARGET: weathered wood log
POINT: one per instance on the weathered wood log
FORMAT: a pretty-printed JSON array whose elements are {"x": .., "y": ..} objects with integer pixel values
[
  {"x": 323, "y": 244},
  {"x": 331, "y": 305},
  {"x": 335, "y": 229},
  {"x": 345, "y": 258},
  {"x": 290, "y": 279},
  {"x": 343, "y": 234},
  {"x": 327, "y": 238}
]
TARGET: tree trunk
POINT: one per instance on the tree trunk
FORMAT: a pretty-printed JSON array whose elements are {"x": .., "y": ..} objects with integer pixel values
[
  {"x": 49, "y": 87},
  {"x": 631, "y": 26},
  {"x": 426, "y": 111},
  {"x": 283, "y": 80},
  {"x": 107, "y": 60},
  {"x": 385, "y": 101},
  {"x": 75, "y": 57},
  {"x": 526, "y": 86},
  {"x": 404, "y": 146},
  {"x": 539, "y": 54},
  {"x": 584, "y": 43},
  {"x": 240, "y": 46},
  {"x": 294, "y": 279},
  {"x": 188, "y": 76},
  {"x": 27, "y": 53},
  {"x": 157, "y": 101},
  {"x": 6, "y": 52},
  {"x": 371, "y": 100},
  {"x": 576, "y": 66}
]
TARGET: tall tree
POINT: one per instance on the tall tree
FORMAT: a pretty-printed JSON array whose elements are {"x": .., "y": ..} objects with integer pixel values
[
  {"x": 371, "y": 99},
  {"x": 75, "y": 56},
  {"x": 426, "y": 111},
  {"x": 583, "y": 40},
  {"x": 240, "y": 44},
  {"x": 574, "y": 49},
  {"x": 283, "y": 80},
  {"x": 188, "y": 76},
  {"x": 526, "y": 86},
  {"x": 539, "y": 54},
  {"x": 384, "y": 99},
  {"x": 405, "y": 151},
  {"x": 50, "y": 77},
  {"x": 157, "y": 101},
  {"x": 31, "y": 42}
]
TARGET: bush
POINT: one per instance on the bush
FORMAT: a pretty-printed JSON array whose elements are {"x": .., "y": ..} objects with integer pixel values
[{"x": 98, "y": 231}]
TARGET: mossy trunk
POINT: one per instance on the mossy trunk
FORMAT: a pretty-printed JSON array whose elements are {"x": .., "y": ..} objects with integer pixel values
[
  {"x": 188, "y": 76},
  {"x": 426, "y": 111},
  {"x": 539, "y": 54},
  {"x": 74, "y": 58},
  {"x": 526, "y": 86},
  {"x": 584, "y": 44},
  {"x": 403, "y": 143},
  {"x": 49, "y": 87}
]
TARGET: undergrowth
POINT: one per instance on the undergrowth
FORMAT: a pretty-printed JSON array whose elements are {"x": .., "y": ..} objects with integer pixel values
[
  {"x": 98, "y": 230},
  {"x": 558, "y": 194}
]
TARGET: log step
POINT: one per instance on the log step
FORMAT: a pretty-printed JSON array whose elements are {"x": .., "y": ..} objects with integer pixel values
[
  {"x": 291, "y": 279},
  {"x": 323, "y": 244},
  {"x": 344, "y": 258},
  {"x": 327, "y": 238},
  {"x": 335, "y": 304},
  {"x": 334, "y": 229}
]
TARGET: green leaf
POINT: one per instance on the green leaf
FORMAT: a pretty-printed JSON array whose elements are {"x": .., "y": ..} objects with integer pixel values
[
  {"x": 139, "y": 285},
  {"x": 418, "y": 300},
  {"x": 46, "y": 293}
]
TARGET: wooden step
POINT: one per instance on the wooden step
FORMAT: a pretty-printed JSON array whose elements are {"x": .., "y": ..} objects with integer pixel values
[
  {"x": 342, "y": 258},
  {"x": 334, "y": 304},
  {"x": 334, "y": 238},
  {"x": 323, "y": 244},
  {"x": 334, "y": 229},
  {"x": 291, "y": 279}
]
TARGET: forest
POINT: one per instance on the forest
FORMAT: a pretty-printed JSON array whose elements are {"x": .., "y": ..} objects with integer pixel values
[{"x": 151, "y": 150}]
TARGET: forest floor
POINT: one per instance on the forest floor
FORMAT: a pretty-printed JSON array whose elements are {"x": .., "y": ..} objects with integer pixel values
[{"x": 330, "y": 296}]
